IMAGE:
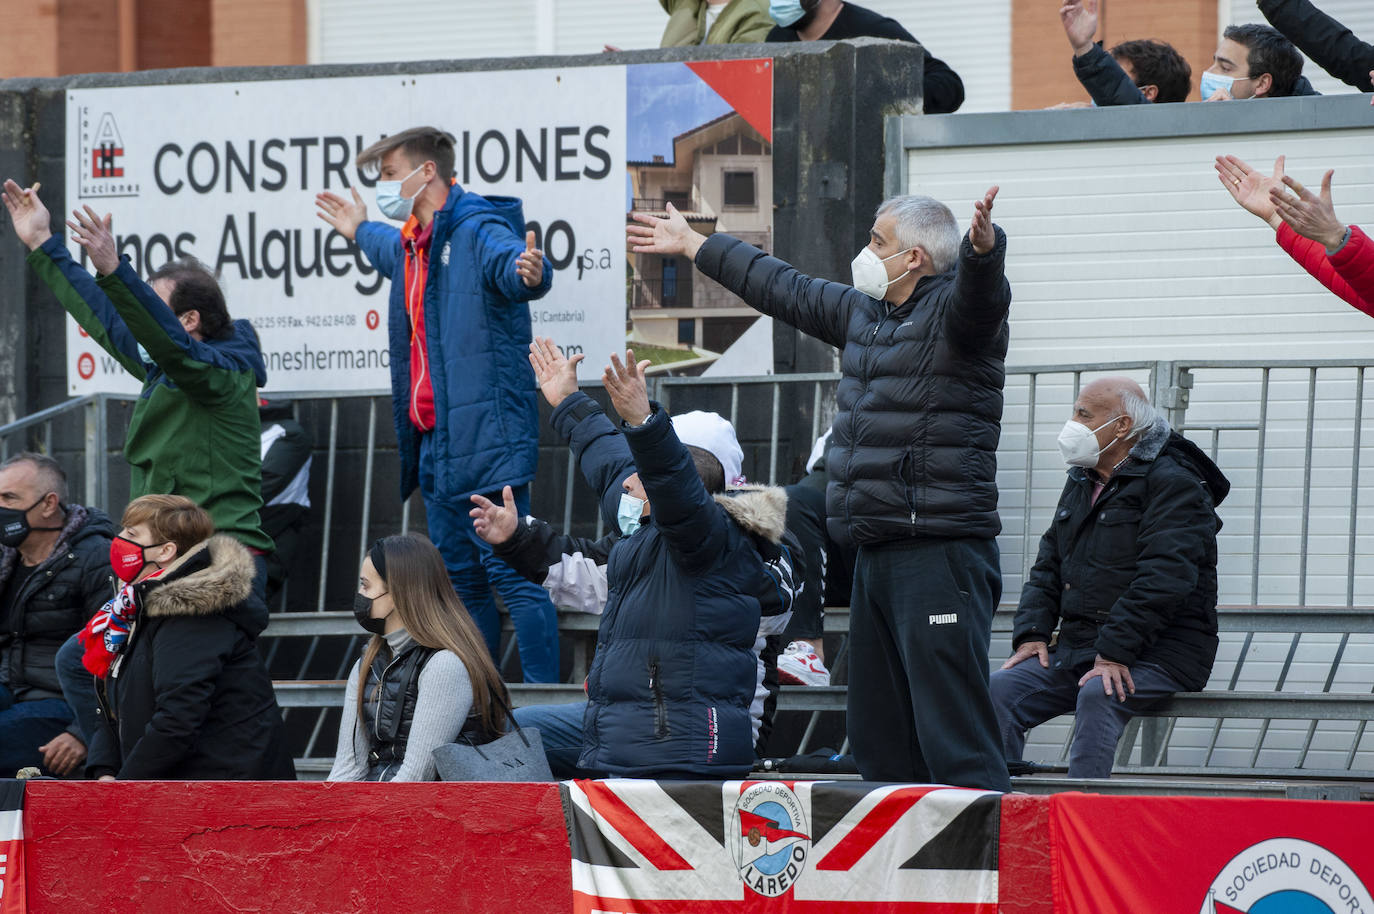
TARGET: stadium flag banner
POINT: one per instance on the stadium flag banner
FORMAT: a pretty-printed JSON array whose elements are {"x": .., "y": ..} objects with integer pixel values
[
  {"x": 654, "y": 847},
  {"x": 1213, "y": 856},
  {"x": 228, "y": 172},
  {"x": 12, "y": 847}
]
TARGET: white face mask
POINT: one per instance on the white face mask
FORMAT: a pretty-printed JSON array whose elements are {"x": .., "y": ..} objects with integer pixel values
[
  {"x": 1078, "y": 443},
  {"x": 390, "y": 201},
  {"x": 870, "y": 276}
]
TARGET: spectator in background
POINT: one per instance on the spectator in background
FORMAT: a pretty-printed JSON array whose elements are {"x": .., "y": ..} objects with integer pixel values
[
  {"x": 185, "y": 694},
  {"x": 1254, "y": 61},
  {"x": 692, "y": 22},
  {"x": 923, "y": 335},
  {"x": 673, "y": 685},
  {"x": 1339, "y": 256},
  {"x": 1330, "y": 45},
  {"x": 54, "y": 575},
  {"x": 463, "y": 399},
  {"x": 1126, "y": 574},
  {"x": 835, "y": 20},
  {"x": 286, "y": 456},
  {"x": 428, "y": 678},
  {"x": 1131, "y": 73}
]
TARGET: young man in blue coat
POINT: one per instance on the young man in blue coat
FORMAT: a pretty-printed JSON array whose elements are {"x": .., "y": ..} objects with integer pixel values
[
  {"x": 463, "y": 396},
  {"x": 672, "y": 689}
]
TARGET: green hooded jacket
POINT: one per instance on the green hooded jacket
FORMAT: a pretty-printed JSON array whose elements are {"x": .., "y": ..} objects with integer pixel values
[
  {"x": 741, "y": 22},
  {"x": 195, "y": 429}
]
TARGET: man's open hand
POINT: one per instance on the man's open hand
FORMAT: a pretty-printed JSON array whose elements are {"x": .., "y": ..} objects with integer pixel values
[
  {"x": 30, "y": 217},
  {"x": 492, "y": 522},
  {"x": 980, "y": 233},
  {"x": 555, "y": 372},
  {"x": 1079, "y": 18},
  {"x": 344, "y": 215},
  {"x": 626, "y": 387},
  {"x": 1308, "y": 214},
  {"x": 92, "y": 232},
  {"x": 1250, "y": 187},
  {"x": 660, "y": 235},
  {"x": 1116, "y": 677},
  {"x": 63, "y": 753},
  {"x": 1026, "y": 651}
]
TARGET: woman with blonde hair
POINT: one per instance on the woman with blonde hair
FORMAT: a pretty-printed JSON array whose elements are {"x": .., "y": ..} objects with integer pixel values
[{"x": 425, "y": 678}]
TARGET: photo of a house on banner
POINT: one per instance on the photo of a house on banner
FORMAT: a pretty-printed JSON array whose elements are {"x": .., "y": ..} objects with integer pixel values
[{"x": 700, "y": 138}]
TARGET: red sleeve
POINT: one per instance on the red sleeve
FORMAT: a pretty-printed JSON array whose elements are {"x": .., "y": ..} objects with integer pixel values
[
  {"x": 1355, "y": 264},
  {"x": 1311, "y": 256}
]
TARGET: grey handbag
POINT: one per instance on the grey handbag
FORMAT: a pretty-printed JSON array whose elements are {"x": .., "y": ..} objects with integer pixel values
[{"x": 517, "y": 755}]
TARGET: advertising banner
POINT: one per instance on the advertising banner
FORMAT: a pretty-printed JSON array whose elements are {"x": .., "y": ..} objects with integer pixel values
[
  {"x": 12, "y": 899},
  {"x": 1213, "y": 856},
  {"x": 228, "y": 172},
  {"x": 642, "y": 847}
]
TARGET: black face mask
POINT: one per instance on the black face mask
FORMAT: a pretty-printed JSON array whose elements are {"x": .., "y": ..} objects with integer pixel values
[
  {"x": 362, "y": 611},
  {"x": 15, "y": 527}
]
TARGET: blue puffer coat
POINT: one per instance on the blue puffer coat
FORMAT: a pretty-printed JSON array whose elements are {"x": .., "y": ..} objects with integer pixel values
[
  {"x": 477, "y": 335},
  {"x": 675, "y": 672}
]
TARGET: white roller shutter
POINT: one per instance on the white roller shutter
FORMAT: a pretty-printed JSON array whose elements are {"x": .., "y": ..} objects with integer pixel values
[
  {"x": 1356, "y": 15},
  {"x": 583, "y": 26},
  {"x": 368, "y": 31}
]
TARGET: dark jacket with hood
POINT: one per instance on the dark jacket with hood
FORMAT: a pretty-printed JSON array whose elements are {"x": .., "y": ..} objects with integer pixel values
[
  {"x": 1133, "y": 577},
  {"x": 913, "y": 451},
  {"x": 477, "y": 336},
  {"x": 676, "y": 670},
  {"x": 62, "y": 593},
  {"x": 1109, "y": 84},
  {"x": 189, "y": 697},
  {"x": 195, "y": 429}
]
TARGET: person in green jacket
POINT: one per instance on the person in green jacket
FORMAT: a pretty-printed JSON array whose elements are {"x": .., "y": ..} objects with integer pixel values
[
  {"x": 692, "y": 22},
  {"x": 195, "y": 429}
]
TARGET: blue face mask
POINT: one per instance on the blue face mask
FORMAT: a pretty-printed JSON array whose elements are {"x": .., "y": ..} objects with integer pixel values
[
  {"x": 785, "y": 12},
  {"x": 629, "y": 513},
  {"x": 1211, "y": 82},
  {"x": 390, "y": 201}
]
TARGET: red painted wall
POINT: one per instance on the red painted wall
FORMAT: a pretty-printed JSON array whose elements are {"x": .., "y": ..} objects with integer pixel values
[{"x": 203, "y": 848}]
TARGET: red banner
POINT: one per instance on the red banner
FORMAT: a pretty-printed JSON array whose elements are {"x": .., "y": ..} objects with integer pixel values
[
  {"x": 766, "y": 847},
  {"x": 12, "y": 848},
  {"x": 1213, "y": 856}
]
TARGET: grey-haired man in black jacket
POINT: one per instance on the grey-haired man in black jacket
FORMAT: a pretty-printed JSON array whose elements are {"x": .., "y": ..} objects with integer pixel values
[
  {"x": 1127, "y": 574},
  {"x": 923, "y": 339}
]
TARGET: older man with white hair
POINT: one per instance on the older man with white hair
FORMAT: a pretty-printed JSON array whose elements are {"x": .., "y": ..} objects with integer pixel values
[
  {"x": 923, "y": 336},
  {"x": 1127, "y": 575}
]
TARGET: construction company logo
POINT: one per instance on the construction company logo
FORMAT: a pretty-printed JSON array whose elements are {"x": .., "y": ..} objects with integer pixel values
[
  {"x": 772, "y": 839},
  {"x": 1287, "y": 876},
  {"x": 103, "y": 172}
]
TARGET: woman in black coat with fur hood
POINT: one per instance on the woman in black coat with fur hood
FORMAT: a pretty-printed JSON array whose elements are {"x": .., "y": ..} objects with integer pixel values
[{"x": 183, "y": 691}]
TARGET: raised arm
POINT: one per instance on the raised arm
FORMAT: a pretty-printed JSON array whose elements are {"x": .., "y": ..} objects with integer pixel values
[
  {"x": 511, "y": 265},
  {"x": 816, "y": 307},
  {"x": 74, "y": 287},
  {"x": 1332, "y": 46},
  {"x": 982, "y": 295}
]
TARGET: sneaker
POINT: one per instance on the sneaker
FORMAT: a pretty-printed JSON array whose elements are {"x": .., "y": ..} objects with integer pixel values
[{"x": 799, "y": 665}]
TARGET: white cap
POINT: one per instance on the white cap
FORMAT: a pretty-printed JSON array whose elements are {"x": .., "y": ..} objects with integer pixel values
[{"x": 713, "y": 433}]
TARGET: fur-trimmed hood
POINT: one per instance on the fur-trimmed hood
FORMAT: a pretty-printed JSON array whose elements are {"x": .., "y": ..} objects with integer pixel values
[
  {"x": 759, "y": 510},
  {"x": 213, "y": 577},
  {"x": 1160, "y": 438}
]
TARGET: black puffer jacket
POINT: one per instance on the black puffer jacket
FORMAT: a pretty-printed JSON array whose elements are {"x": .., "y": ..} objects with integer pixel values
[
  {"x": 1332, "y": 46},
  {"x": 1134, "y": 576},
  {"x": 189, "y": 698},
  {"x": 60, "y": 596},
  {"x": 914, "y": 448}
]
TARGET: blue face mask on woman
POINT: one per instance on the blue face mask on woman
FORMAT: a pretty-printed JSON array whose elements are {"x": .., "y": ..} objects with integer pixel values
[
  {"x": 785, "y": 12},
  {"x": 629, "y": 514}
]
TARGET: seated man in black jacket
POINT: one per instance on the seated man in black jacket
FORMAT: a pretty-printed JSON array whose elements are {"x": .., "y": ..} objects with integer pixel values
[
  {"x": 836, "y": 20},
  {"x": 1131, "y": 73},
  {"x": 54, "y": 575},
  {"x": 671, "y": 688},
  {"x": 1127, "y": 573}
]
